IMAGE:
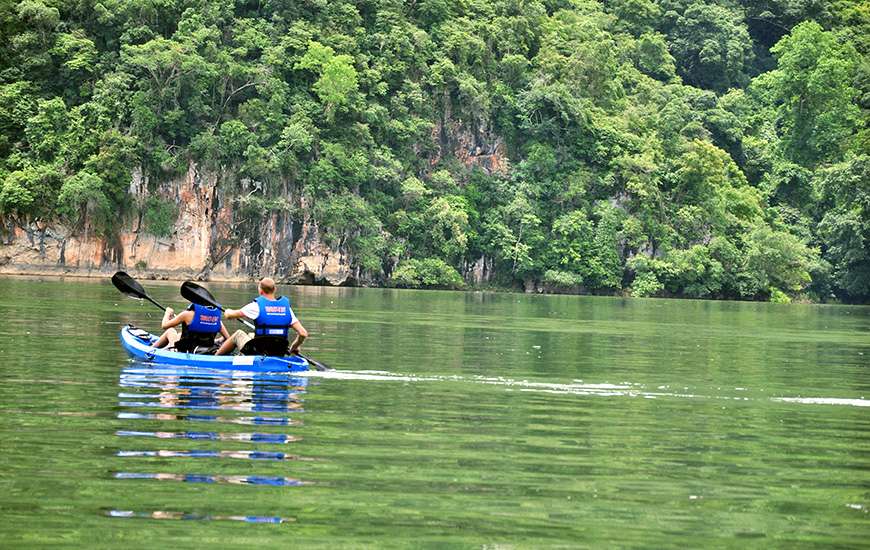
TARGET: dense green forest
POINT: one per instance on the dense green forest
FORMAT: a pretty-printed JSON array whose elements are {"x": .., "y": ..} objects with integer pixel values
[{"x": 715, "y": 148}]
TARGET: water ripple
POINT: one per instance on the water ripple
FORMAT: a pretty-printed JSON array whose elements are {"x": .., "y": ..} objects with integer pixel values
[
  {"x": 214, "y": 436},
  {"x": 206, "y": 478},
  {"x": 604, "y": 389},
  {"x": 163, "y": 514},
  {"x": 245, "y": 420},
  {"x": 228, "y": 392},
  {"x": 242, "y": 407},
  {"x": 249, "y": 455}
]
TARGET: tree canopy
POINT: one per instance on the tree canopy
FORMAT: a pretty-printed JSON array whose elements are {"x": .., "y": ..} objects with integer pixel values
[{"x": 714, "y": 148}]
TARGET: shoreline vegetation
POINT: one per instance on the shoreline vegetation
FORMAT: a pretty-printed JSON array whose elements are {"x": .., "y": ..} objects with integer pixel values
[
  {"x": 177, "y": 276},
  {"x": 715, "y": 149}
]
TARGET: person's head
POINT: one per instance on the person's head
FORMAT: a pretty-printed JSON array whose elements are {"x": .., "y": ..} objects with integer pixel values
[{"x": 266, "y": 287}]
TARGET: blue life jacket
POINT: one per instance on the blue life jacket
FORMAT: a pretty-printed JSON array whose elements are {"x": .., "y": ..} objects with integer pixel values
[
  {"x": 204, "y": 326},
  {"x": 274, "y": 318},
  {"x": 206, "y": 319}
]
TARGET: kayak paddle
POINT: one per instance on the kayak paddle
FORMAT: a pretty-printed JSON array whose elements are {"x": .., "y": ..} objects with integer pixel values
[
  {"x": 198, "y": 295},
  {"x": 128, "y": 285}
]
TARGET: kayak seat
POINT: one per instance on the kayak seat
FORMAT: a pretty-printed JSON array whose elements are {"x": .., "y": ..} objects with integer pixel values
[
  {"x": 272, "y": 346},
  {"x": 185, "y": 345}
]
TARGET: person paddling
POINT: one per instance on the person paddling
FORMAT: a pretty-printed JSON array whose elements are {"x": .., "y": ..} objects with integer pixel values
[
  {"x": 199, "y": 327},
  {"x": 272, "y": 316}
]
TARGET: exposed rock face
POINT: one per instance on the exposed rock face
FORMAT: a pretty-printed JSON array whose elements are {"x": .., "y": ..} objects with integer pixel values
[
  {"x": 208, "y": 240},
  {"x": 316, "y": 263},
  {"x": 483, "y": 150},
  {"x": 470, "y": 141},
  {"x": 211, "y": 239},
  {"x": 481, "y": 271},
  {"x": 187, "y": 248}
]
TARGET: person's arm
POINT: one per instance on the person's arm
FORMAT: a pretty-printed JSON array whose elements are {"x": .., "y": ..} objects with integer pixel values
[
  {"x": 170, "y": 319},
  {"x": 301, "y": 335},
  {"x": 224, "y": 332},
  {"x": 250, "y": 312},
  {"x": 233, "y": 314}
]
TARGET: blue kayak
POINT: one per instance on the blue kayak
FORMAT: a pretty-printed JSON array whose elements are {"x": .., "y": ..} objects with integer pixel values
[{"x": 140, "y": 345}]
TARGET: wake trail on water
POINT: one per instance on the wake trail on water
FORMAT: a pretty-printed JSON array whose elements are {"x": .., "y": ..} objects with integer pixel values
[{"x": 624, "y": 389}]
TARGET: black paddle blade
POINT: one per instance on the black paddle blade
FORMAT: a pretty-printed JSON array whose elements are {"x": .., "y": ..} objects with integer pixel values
[
  {"x": 198, "y": 295},
  {"x": 128, "y": 285}
]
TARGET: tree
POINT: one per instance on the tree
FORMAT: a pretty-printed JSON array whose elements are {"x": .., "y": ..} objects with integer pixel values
[
  {"x": 46, "y": 129},
  {"x": 426, "y": 273},
  {"x": 337, "y": 76},
  {"x": 845, "y": 225},
  {"x": 776, "y": 261},
  {"x": 651, "y": 56},
  {"x": 588, "y": 250},
  {"x": 636, "y": 16},
  {"x": 572, "y": 245},
  {"x": 712, "y": 43},
  {"x": 29, "y": 196},
  {"x": 17, "y": 105},
  {"x": 82, "y": 200},
  {"x": 447, "y": 218},
  {"x": 812, "y": 83}
]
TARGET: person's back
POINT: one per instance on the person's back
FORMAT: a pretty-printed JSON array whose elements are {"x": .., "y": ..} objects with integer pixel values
[
  {"x": 273, "y": 318},
  {"x": 204, "y": 326},
  {"x": 199, "y": 327}
]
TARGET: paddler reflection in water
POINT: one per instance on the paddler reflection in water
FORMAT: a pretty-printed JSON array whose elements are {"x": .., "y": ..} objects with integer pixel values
[
  {"x": 271, "y": 315},
  {"x": 199, "y": 327}
]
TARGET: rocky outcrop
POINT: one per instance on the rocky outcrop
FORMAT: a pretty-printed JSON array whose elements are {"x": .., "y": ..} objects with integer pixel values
[
  {"x": 469, "y": 139},
  {"x": 481, "y": 271},
  {"x": 317, "y": 263},
  {"x": 209, "y": 240},
  {"x": 474, "y": 147}
]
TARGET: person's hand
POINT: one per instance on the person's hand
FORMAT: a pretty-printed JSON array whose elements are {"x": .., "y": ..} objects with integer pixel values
[{"x": 170, "y": 311}]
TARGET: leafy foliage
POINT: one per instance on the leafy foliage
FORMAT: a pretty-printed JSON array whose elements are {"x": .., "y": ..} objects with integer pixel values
[
  {"x": 426, "y": 273},
  {"x": 710, "y": 149},
  {"x": 158, "y": 217}
]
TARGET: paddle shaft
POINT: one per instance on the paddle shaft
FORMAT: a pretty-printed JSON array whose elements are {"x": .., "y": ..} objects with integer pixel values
[
  {"x": 239, "y": 319},
  {"x": 154, "y": 302}
]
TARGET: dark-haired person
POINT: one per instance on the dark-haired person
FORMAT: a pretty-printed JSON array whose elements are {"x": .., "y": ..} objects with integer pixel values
[
  {"x": 271, "y": 315},
  {"x": 199, "y": 327}
]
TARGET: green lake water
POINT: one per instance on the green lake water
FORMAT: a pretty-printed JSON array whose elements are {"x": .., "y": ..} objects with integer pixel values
[{"x": 469, "y": 420}]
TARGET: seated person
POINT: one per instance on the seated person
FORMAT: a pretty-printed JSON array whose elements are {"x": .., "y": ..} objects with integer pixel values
[
  {"x": 199, "y": 327},
  {"x": 271, "y": 315}
]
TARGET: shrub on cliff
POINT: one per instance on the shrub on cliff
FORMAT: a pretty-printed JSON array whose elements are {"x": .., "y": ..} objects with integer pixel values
[
  {"x": 159, "y": 216},
  {"x": 426, "y": 273}
]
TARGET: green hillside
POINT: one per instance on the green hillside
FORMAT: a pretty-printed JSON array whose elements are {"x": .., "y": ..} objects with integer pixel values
[{"x": 659, "y": 147}]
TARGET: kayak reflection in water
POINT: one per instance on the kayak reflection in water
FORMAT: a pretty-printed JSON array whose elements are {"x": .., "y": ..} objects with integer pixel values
[
  {"x": 228, "y": 393},
  {"x": 272, "y": 317}
]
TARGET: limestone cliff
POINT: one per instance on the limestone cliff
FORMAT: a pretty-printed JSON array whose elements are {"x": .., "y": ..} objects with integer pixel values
[
  {"x": 209, "y": 240},
  {"x": 214, "y": 238}
]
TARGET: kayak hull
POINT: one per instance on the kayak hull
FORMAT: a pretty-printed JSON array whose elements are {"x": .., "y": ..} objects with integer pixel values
[{"x": 144, "y": 351}]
